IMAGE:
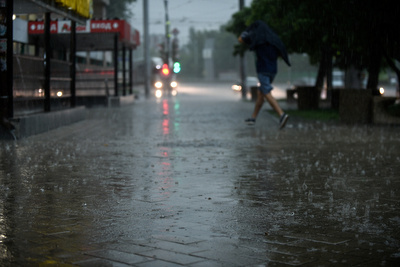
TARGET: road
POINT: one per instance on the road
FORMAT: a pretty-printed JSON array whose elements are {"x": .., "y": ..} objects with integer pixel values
[
  {"x": 222, "y": 91},
  {"x": 182, "y": 181}
]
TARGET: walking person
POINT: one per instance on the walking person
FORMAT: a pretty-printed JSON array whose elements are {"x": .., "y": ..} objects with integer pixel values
[{"x": 267, "y": 47}]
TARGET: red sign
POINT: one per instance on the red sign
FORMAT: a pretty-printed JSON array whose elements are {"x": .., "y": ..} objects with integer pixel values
[
  {"x": 127, "y": 33},
  {"x": 64, "y": 26},
  {"x": 37, "y": 27},
  {"x": 106, "y": 25}
]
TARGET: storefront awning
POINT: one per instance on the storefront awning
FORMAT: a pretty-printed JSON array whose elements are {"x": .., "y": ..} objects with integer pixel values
[
  {"x": 94, "y": 35},
  {"x": 42, "y": 6}
]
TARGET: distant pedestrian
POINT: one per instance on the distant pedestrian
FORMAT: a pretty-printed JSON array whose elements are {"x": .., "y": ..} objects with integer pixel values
[{"x": 267, "y": 47}]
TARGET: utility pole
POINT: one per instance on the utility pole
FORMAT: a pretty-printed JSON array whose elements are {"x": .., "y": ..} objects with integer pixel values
[
  {"x": 6, "y": 70},
  {"x": 146, "y": 48},
  {"x": 243, "y": 63},
  {"x": 167, "y": 34}
]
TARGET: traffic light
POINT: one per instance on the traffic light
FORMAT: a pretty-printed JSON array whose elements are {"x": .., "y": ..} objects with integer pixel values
[
  {"x": 165, "y": 69},
  {"x": 177, "y": 67}
]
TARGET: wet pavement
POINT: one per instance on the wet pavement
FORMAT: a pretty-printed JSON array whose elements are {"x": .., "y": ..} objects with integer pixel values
[{"x": 183, "y": 181}]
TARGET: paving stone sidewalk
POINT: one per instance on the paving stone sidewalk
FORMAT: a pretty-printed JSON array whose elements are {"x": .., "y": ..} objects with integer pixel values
[{"x": 183, "y": 181}]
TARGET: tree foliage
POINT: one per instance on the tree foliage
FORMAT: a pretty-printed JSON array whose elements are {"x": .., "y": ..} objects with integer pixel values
[
  {"x": 191, "y": 55},
  {"x": 118, "y": 9},
  {"x": 237, "y": 25},
  {"x": 358, "y": 33}
]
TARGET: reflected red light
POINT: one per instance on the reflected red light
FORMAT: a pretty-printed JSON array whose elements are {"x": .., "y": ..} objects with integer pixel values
[
  {"x": 165, "y": 107},
  {"x": 165, "y": 123},
  {"x": 166, "y": 126}
]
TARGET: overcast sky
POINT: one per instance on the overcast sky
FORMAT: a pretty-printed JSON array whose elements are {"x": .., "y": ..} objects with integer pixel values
[{"x": 183, "y": 14}]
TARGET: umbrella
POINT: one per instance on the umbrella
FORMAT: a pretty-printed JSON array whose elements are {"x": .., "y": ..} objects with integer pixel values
[{"x": 260, "y": 33}]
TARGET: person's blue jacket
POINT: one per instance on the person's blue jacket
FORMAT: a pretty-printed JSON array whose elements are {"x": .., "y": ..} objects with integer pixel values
[
  {"x": 266, "y": 59},
  {"x": 259, "y": 34}
]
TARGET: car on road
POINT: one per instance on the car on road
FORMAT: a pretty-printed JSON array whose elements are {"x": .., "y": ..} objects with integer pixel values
[{"x": 250, "y": 82}]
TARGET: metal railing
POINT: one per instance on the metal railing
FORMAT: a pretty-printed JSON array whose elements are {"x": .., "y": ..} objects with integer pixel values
[{"x": 28, "y": 83}]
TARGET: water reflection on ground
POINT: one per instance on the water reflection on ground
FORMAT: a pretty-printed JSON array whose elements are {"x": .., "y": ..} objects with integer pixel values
[{"x": 187, "y": 171}]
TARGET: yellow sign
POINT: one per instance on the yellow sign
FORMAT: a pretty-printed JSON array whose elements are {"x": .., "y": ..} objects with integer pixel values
[{"x": 81, "y": 7}]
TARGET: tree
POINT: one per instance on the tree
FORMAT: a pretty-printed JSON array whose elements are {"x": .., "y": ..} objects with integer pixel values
[
  {"x": 357, "y": 33},
  {"x": 302, "y": 26},
  {"x": 117, "y": 9},
  {"x": 223, "y": 50},
  {"x": 237, "y": 25},
  {"x": 373, "y": 36},
  {"x": 191, "y": 56}
]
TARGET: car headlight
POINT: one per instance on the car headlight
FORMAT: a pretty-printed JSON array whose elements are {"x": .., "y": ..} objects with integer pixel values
[
  {"x": 236, "y": 87},
  {"x": 174, "y": 84},
  {"x": 158, "y": 85},
  {"x": 158, "y": 93}
]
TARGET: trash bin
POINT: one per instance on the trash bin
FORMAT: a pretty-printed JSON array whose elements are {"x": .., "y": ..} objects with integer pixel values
[{"x": 355, "y": 106}]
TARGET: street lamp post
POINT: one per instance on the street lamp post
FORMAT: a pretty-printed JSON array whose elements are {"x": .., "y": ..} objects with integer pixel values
[
  {"x": 167, "y": 34},
  {"x": 146, "y": 48},
  {"x": 243, "y": 63}
]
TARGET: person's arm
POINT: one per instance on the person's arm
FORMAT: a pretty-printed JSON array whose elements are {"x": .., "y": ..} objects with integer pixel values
[{"x": 244, "y": 37}]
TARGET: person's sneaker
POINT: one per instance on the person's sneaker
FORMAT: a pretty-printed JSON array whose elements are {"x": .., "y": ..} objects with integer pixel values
[
  {"x": 250, "y": 121},
  {"x": 283, "y": 120}
]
